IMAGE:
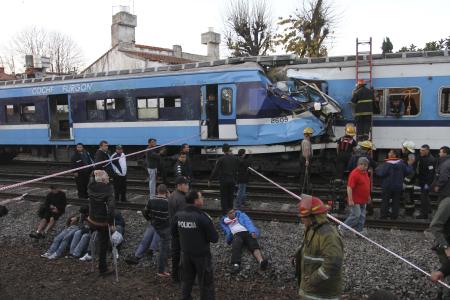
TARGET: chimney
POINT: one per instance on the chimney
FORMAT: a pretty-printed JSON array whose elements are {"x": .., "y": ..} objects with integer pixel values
[
  {"x": 212, "y": 40},
  {"x": 123, "y": 28},
  {"x": 177, "y": 50}
]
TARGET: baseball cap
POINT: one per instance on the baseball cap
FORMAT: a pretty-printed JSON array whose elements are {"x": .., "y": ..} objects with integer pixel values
[{"x": 181, "y": 180}]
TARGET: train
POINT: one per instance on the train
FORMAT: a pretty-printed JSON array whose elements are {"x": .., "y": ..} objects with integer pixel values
[{"x": 230, "y": 101}]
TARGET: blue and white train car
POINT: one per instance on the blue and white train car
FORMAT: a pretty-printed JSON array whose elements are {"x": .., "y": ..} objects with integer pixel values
[
  {"x": 167, "y": 103},
  {"x": 422, "y": 77}
]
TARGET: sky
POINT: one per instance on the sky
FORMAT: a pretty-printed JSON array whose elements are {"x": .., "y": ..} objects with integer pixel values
[{"x": 164, "y": 23}]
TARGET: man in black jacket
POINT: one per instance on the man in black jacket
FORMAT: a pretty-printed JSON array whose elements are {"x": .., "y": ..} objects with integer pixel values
[
  {"x": 425, "y": 172},
  {"x": 441, "y": 182},
  {"x": 49, "y": 212},
  {"x": 362, "y": 98},
  {"x": 195, "y": 230},
  {"x": 101, "y": 214},
  {"x": 80, "y": 159},
  {"x": 153, "y": 160},
  {"x": 226, "y": 169},
  {"x": 180, "y": 168},
  {"x": 103, "y": 155}
]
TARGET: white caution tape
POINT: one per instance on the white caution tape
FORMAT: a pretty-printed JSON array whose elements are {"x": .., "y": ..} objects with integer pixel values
[
  {"x": 8, "y": 187},
  {"x": 351, "y": 229}
]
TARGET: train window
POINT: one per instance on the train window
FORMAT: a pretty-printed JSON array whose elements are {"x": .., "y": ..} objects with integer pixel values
[
  {"x": 147, "y": 108},
  {"x": 62, "y": 108},
  {"x": 227, "y": 101},
  {"x": 445, "y": 100},
  {"x": 404, "y": 101},
  {"x": 379, "y": 103},
  {"x": 12, "y": 113},
  {"x": 95, "y": 110},
  {"x": 28, "y": 112},
  {"x": 167, "y": 102}
]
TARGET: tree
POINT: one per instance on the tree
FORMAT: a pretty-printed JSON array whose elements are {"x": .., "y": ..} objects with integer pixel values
[
  {"x": 430, "y": 46},
  {"x": 307, "y": 29},
  {"x": 249, "y": 28},
  {"x": 65, "y": 55},
  {"x": 387, "y": 46}
]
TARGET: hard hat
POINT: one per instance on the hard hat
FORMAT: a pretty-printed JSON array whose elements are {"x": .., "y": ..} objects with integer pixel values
[
  {"x": 410, "y": 146},
  {"x": 310, "y": 205},
  {"x": 308, "y": 130},
  {"x": 367, "y": 144},
  {"x": 361, "y": 81},
  {"x": 350, "y": 129}
]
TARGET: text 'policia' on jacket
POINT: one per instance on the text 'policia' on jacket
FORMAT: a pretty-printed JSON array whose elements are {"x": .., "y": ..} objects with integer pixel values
[
  {"x": 319, "y": 261},
  {"x": 363, "y": 99},
  {"x": 195, "y": 230}
]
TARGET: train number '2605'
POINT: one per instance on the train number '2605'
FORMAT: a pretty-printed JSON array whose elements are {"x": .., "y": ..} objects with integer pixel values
[{"x": 279, "y": 120}]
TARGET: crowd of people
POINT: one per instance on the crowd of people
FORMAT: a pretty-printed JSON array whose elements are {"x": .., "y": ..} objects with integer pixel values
[{"x": 179, "y": 229}]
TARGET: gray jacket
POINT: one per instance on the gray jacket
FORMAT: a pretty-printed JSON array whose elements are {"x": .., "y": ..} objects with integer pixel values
[
  {"x": 442, "y": 179},
  {"x": 177, "y": 202}
]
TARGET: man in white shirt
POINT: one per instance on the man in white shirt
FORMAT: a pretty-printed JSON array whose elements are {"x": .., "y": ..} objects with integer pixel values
[
  {"x": 239, "y": 232},
  {"x": 120, "y": 174}
]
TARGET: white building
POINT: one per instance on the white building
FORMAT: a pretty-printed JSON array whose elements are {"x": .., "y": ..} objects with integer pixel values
[{"x": 126, "y": 54}]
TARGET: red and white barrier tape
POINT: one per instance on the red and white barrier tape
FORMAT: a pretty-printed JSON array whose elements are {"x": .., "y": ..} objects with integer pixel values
[
  {"x": 8, "y": 187},
  {"x": 351, "y": 229}
]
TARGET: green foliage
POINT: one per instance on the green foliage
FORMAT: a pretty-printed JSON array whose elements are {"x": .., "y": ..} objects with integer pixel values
[
  {"x": 430, "y": 46},
  {"x": 306, "y": 30},
  {"x": 387, "y": 46}
]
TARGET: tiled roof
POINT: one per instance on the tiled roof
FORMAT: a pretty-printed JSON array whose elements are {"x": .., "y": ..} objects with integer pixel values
[
  {"x": 5, "y": 77},
  {"x": 157, "y": 57},
  {"x": 152, "y": 48}
]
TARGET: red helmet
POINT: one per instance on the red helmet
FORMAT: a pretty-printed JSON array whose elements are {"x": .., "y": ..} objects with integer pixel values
[{"x": 310, "y": 205}]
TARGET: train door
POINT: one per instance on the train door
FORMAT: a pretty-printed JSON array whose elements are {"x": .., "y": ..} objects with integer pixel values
[
  {"x": 227, "y": 112},
  {"x": 60, "y": 125}
]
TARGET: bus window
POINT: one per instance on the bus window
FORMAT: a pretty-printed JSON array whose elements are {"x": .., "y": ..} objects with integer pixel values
[
  {"x": 404, "y": 101},
  {"x": 445, "y": 100}
]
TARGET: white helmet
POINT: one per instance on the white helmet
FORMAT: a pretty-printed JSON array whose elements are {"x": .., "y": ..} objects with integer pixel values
[{"x": 410, "y": 146}]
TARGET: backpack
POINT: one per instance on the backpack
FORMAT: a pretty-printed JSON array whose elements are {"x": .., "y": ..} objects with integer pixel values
[{"x": 346, "y": 144}]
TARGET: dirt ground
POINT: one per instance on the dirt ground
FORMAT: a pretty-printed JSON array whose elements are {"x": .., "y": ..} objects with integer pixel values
[{"x": 25, "y": 275}]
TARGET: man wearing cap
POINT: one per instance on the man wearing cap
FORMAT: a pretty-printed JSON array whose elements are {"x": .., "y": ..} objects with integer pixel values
[
  {"x": 119, "y": 164},
  {"x": 177, "y": 202},
  {"x": 363, "y": 98},
  {"x": 319, "y": 259},
  {"x": 358, "y": 193},
  {"x": 306, "y": 154},
  {"x": 80, "y": 159}
]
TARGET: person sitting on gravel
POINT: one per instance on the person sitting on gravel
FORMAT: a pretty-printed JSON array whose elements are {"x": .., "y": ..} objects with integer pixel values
[
  {"x": 151, "y": 237},
  {"x": 64, "y": 238},
  {"x": 49, "y": 212},
  {"x": 239, "y": 232},
  {"x": 81, "y": 237}
]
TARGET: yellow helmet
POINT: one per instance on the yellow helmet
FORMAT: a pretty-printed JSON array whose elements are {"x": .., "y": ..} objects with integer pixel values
[
  {"x": 367, "y": 144},
  {"x": 350, "y": 129},
  {"x": 308, "y": 130}
]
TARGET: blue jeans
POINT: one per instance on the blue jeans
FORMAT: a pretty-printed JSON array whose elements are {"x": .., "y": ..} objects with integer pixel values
[
  {"x": 152, "y": 182},
  {"x": 80, "y": 243},
  {"x": 357, "y": 217},
  {"x": 150, "y": 240},
  {"x": 164, "y": 248},
  {"x": 241, "y": 195},
  {"x": 62, "y": 241}
]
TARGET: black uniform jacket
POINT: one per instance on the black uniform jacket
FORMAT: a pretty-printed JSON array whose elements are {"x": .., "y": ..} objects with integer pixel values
[
  {"x": 194, "y": 230},
  {"x": 226, "y": 169}
]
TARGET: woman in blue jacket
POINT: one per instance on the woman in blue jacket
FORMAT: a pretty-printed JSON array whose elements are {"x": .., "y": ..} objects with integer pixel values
[{"x": 239, "y": 232}]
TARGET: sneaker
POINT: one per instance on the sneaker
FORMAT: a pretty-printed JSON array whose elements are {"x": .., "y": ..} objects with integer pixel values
[
  {"x": 132, "y": 260},
  {"x": 163, "y": 274},
  {"x": 86, "y": 257},
  {"x": 53, "y": 256},
  {"x": 37, "y": 235},
  {"x": 263, "y": 265},
  {"x": 46, "y": 255},
  {"x": 236, "y": 268}
]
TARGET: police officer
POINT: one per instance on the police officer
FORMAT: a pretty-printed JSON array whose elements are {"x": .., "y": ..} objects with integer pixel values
[
  {"x": 363, "y": 100},
  {"x": 193, "y": 230}
]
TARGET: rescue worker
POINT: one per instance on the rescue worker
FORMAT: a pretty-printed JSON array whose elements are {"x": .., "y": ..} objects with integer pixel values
[
  {"x": 79, "y": 159},
  {"x": 103, "y": 155},
  {"x": 306, "y": 154},
  {"x": 194, "y": 230},
  {"x": 407, "y": 154},
  {"x": 345, "y": 148},
  {"x": 363, "y": 98},
  {"x": 319, "y": 260},
  {"x": 440, "y": 225},
  {"x": 120, "y": 174},
  {"x": 226, "y": 169},
  {"x": 425, "y": 174}
]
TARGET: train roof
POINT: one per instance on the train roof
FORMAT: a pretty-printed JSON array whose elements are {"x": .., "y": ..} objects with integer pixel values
[{"x": 248, "y": 63}]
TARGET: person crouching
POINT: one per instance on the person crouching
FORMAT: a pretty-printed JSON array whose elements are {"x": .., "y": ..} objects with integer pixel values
[
  {"x": 239, "y": 232},
  {"x": 101, "y": 214}
]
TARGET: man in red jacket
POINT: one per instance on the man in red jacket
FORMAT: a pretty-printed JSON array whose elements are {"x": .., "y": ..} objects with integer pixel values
[{"x": 358, "y": 192}]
